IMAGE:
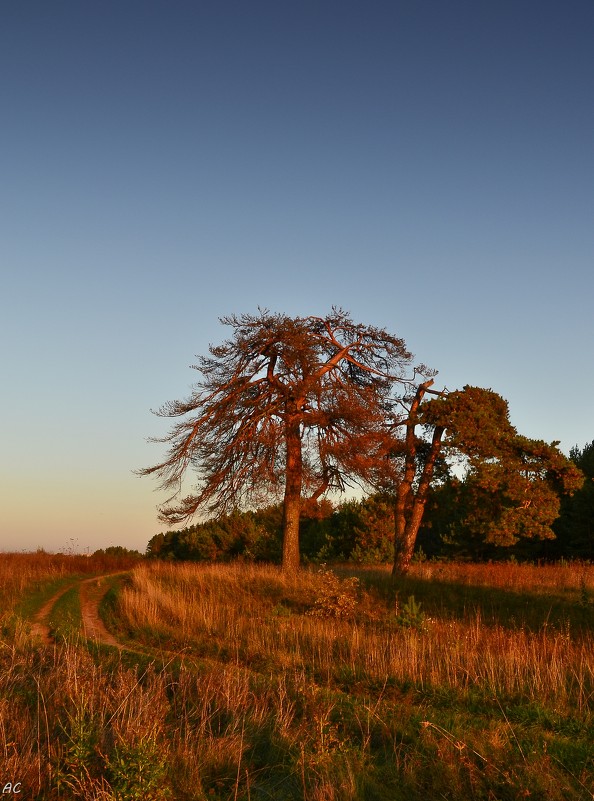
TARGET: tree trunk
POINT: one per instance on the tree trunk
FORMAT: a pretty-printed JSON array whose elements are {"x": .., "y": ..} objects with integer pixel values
[
  {"x": 403, "y": 550},
  {"x": 404, "y": 539},
  {"x": 410, "y": 508},
  {"x": 402, "y": 547},
  {"x": 292, "y": 501}
]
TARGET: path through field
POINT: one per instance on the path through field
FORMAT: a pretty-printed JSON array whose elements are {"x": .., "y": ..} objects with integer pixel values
[
  {"x": 92, "y": 591},
  {"x": 40, "y": 627},
  {"x": 91, "y": 595}
]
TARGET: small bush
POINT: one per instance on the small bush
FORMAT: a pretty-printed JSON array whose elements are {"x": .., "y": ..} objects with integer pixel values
[
  {"x": 81, "y": 759},
  {"x": 336, "y": 598},
  {"x": 410, "y": 616},
  {"x": 280, "y": 610},
  {"x": 137, "y": 772}
]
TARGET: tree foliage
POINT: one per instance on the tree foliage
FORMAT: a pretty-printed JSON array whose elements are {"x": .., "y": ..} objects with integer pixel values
[
  {"x": 362, "y": 530},
  {"x": 519, "y": 478},
  {"x": 512, "y": 484},
  {"x": 575, "y": 525}
]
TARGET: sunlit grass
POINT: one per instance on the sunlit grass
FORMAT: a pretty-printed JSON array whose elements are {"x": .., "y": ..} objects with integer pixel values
[
  {"x": 256, "y": 689},
  {"x": 232, "y": 612},
  {"x": 566, "y": 578},
  {"x": 24, "y": 573}
]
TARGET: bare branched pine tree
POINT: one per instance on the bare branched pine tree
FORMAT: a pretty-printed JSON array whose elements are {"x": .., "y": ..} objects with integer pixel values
[{"x": 291, "y": 406}]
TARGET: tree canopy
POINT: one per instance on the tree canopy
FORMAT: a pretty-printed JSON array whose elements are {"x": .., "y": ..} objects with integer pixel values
[
  {"x": 512, "y": 483},
  {"x": 575, "y": 525},
  {"x": 286, "y": 405}
]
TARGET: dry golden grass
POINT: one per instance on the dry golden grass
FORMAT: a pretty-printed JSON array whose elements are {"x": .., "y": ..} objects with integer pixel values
[
  {"x": 512, "y": 576},
  {"x": 271, "y": 701},
  {"x": 19, "y": 572},
  {"x": 256, "y": 617}
]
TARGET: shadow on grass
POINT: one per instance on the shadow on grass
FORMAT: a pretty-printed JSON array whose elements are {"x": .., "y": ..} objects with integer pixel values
[{"x": 494, "y": 606}]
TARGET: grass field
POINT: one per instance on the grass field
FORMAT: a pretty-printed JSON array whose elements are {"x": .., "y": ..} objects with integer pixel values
[{"x": 459, "y": 682}]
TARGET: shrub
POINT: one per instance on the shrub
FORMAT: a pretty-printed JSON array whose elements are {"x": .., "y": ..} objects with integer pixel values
[
  {"x": 410, "y": 616},
  {"x": 336, "y": 598},
  {"x": 137, "y": 772}
]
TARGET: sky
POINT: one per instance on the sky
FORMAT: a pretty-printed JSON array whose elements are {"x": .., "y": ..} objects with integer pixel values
[{"x": 426, "y": 165}]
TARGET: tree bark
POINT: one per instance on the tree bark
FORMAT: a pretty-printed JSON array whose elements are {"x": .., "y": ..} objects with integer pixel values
[
  {"x": 292, "y": 501},
  {"x": 413, "y": 516},
  {"x": 410, "y": 506}
]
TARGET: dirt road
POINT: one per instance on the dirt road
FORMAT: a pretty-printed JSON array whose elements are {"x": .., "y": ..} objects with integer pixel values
[
  {"x": 40, "y": 627},
  {"x": 92, "y": 591}
]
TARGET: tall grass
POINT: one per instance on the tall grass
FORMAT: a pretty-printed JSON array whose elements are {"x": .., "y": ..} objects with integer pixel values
[
  {"x": 232, "y": 612},
  {"x": 21, "y": 572},
  {"x": 312, "y": 688},
  {"x": 570, "y": 578}
]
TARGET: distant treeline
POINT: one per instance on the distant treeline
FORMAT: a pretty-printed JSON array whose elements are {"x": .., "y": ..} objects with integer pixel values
[
  {"x": 363, "y": 530},
  {"x": 128, "y": 557}
]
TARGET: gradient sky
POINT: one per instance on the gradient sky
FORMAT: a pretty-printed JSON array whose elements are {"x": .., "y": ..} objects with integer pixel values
[{"x": 426, "y": 165}]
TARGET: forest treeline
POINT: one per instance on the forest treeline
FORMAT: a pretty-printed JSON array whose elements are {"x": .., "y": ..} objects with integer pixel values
[{"x": 363, "y": 530}]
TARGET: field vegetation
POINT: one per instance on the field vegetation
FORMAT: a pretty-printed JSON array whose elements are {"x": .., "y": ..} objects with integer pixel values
[
  {"x": 26, "y": 578},
  {"x": 239, "y": 682}
]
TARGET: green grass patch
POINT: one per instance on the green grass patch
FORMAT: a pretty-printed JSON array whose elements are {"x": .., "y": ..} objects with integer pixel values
[
  {"x": 65, "y": 618},
  {"x": 32, "y": 601},
  {"x": 27, "y": 606},
  {"x": 109, "y": 603}
]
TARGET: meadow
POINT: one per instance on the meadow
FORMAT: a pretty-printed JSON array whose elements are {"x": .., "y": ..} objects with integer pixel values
[{"x": 235, "y": 682}]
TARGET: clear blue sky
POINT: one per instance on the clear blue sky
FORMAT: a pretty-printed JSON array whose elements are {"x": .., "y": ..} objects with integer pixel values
[{"x": 427, "y": 165}]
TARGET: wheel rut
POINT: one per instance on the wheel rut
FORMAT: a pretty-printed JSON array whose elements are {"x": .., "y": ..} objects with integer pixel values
[
  {"x": 40, "y": 627},
  {"x": 92, "y": 592}
]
